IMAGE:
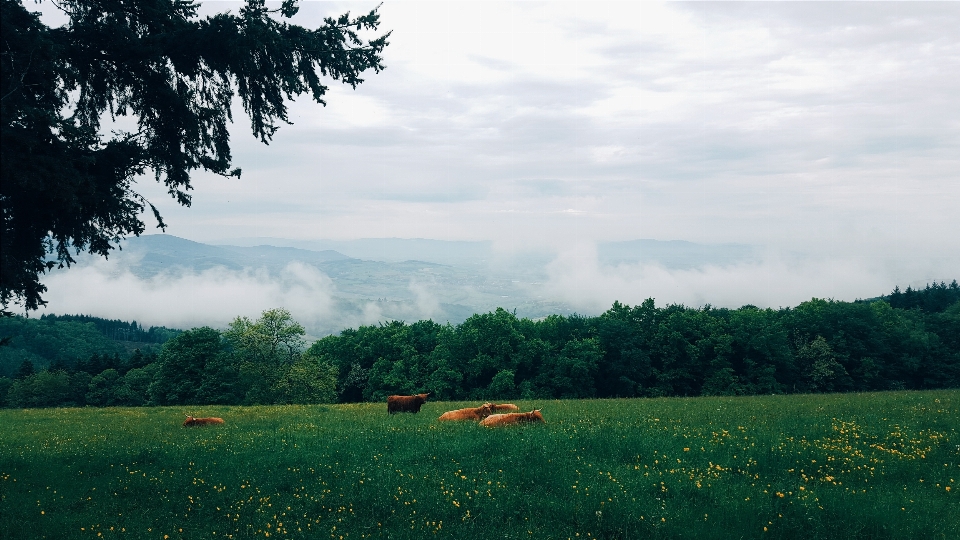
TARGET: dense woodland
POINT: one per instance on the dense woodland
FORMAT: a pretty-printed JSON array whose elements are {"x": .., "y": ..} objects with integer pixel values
[
  {"x": 906, "y": 340},
  {"x": 120, "y": 330},
  {"x": 65, "y": 340}
]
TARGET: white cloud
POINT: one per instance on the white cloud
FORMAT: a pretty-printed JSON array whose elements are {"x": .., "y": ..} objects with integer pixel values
[
  {"x": 427, "y": 306},
  {"x": 777, "y": 280},
  {"x": 214, "y": 297},
  {"x": 345, "y": 110},
  {"x": 183, "y": 300}
]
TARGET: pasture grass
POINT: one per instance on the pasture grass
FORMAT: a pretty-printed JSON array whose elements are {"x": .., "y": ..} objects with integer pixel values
[{"x": 880, "y": 465}]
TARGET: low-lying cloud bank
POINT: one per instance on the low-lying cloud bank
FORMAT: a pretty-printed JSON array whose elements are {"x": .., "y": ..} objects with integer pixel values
[
  {"x": 775, "y": 280},
  {"x": 213, "y": 297},
  {"x": 575, "y": 279}
]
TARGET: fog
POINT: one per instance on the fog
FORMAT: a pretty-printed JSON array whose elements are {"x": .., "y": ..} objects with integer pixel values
[
  {"x": 213, "y": 297},
  {"x": 574, "y": 280},
  {"x": 775, "y": 280}
]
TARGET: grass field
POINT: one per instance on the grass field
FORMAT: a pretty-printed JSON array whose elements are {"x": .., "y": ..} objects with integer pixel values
[{"x": 880, "y": 465}]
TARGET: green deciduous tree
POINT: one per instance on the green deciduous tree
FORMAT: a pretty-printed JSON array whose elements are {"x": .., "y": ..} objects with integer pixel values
[
  {"x": 42, "y": 389},
  {"x": 273, "y": 339},
  {"x": 502, "y": 386},
  {"x": 487, "y": 342},
  {"x": 820, "y": 367},
  {"x": 134, "y": 87},
  {"x": 263, "y": 352},
  {"x": 572, "y": 372},
  {"x": 134, "y": 387},
  {"x": 308, "y": 381},
  {"x": 25, "y": 370},
  {"x": 103, "y": 389},
  {"x": 625, "y": 332},
  {"x": 79, "y": 386},
  {"x": 5, "y": 384},
  {"x": 183, "y": 361}
]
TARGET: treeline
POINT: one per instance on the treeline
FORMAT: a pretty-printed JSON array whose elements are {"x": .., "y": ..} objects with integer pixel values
[
  {"x": 42, "y": 343},
  {"x": 932, "y": 298},
  {"x": 120, "y": 330},
  {"x": 818, "y": 346},
  {"x": 66, "y": 339},
  {"x": 100, "y": 381},
  {"x": 252, "y": 362}
]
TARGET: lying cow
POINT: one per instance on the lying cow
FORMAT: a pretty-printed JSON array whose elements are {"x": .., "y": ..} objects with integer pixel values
[
  {"x": 470, "y": 413},
  {"x": 191, "y": 421},
  {"x": 412, "y": 404},
  {"x": 504, "y": 407},
  {"x": 507, "y": 419}
]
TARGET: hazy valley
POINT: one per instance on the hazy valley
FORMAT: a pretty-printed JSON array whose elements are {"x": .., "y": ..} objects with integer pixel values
[{"x": 369, "y": 280}]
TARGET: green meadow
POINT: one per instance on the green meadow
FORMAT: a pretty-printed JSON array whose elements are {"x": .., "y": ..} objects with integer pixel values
[{"x": 879, "y": 465}]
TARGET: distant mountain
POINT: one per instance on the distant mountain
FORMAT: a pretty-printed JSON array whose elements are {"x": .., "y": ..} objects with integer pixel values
[
  {"x": 459, "y": 273},
  {"x": 384, "y": 249},
  {"x": 158, "y": 253},
  {"x": 454, "y": 291},
  {"x": 404, "y": 278},
  {"x": 676, "y": 254}
]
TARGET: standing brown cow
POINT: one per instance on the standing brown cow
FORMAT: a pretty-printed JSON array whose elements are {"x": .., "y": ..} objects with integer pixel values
[
  {"x": 470, "y": 413},
  {"x": 192, "y": 422},
  {"x": 507, "y": 419},
  {"x": 412, "y": 404}
]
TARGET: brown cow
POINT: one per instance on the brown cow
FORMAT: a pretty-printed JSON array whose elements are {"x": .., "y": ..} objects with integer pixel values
[
  {"x": 470, "y": 413},
  {"x": 507, "y": 419},
  {"x": 412, "y": 404},
  {"x": 497, "y": 407},
  {"x": 191, "y": 421}
]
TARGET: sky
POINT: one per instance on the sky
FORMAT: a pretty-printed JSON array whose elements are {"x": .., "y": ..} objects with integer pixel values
[{"x": 826, "y": 134}]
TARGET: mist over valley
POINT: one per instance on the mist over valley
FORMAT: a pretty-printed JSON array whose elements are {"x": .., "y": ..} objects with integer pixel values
[{"x": 331, "y": 285}]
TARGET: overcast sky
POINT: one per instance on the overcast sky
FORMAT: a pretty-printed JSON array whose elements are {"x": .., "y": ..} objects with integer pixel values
[
  {"x": 830, "y": 130},
  {"x": 807, "y": 124}
]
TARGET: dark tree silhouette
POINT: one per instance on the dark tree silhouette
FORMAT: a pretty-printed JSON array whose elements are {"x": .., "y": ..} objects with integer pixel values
[{"x": 67, "y": 186}]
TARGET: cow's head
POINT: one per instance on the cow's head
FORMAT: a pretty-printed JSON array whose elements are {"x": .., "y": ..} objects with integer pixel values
[
  {"x": 422, "y": 398},
  {"x": 486, "y": 409},
  {"x": 189, "y": 421},
  {"x": 536, "y": 416}
]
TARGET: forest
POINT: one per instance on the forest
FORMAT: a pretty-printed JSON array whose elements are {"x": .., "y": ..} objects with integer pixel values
[{"x": 905, "y": 340}]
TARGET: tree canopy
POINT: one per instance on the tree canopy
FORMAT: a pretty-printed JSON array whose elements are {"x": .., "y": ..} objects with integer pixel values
[
  {"x": 640, "y": 351},
  {"x": 66, "y": 184}
]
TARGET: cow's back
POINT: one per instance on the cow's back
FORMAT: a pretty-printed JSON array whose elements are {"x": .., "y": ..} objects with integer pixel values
[
  {"x": 470, "y": 413},
  {"x": 494, "y": 420},
  {"x": 461, "y": 414},
  {"x": 506, "y": 419},
  {"x": 193, "y": 421},
  {"x": 505, "y": 407}
]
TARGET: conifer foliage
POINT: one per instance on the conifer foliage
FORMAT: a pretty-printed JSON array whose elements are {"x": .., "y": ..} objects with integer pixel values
[{"x": 133, "y": 87}]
